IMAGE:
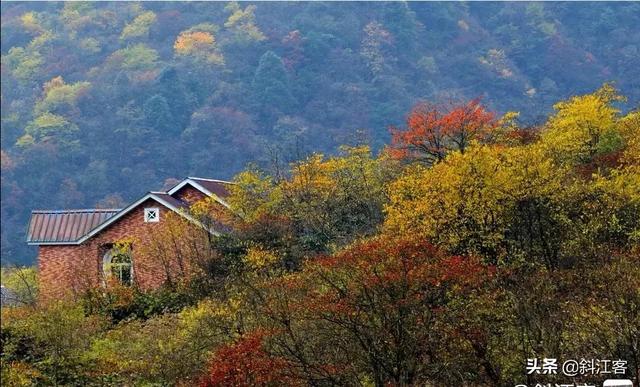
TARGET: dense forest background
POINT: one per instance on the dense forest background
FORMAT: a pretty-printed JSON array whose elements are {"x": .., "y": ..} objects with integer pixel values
[{"x": 101, "y": 102}]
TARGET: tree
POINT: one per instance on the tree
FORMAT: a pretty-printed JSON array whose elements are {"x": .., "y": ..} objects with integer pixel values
[
  {"x": 246, "y": 363},
  {"x": 199, "y": 42},
  {"x": 50, "y": 127},
  {"x": 61, "y": 98},
  {"x": 368, "y": 314},
  {"x": 465, "y": 202},
  {"x": 174, "y": 89},
  {"x": 24, "y": 64},
  {"x": 609, "y": 327},
  {"x": 137, "y": 57},
  {"x": 172, "y": 347},
  {"x": 50, "y": 342},
  {"x": 22, "y": 282},
  {"x": 326, "y": 203},
  {"x": 271, "y": 87},
  {"x": 157, "y": 113},
  {"x": 376, "y": 38},
  {"x": 139, "y": 27},
  {"x": 584, "y": 126},
  {"x": 242, "y": 23},
  {"x": 223, "y": 129},
  {"x": 516, "y": 202},
  {"x": 30, "y": 21},
  {"x": 433, "y": 131}
]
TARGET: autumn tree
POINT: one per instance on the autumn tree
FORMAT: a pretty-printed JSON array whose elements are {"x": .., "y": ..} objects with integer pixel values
[
  {"x": 199, "y": 43},
  {"x": 45, "y": 346},
  {"x": 434, "y": 130},
  {"x": 22, "y": 283},
  {"x": 58, "y": 97},
  {"x": 326, "y": 202},
  {"x": 246, "y": 363},
  {"x": 23, "y": 63},
  {"x": 139, "y": 27},
  {"x": 173, "y": 347},
  {"x": 50, "y": 128},
  {"x": 138, "y": 57},
  {"x": 373, "y": 47},
  {"x": 519, "y": 201},
  {"x": 242, "y": 23},
  {"x": 367, "y": 314},
  {"x": 584, "y": 127}
]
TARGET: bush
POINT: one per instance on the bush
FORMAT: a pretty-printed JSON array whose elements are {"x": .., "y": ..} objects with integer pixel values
[
  {"x": 120, "y": 303},
  {"x": 46, "y": 345}
]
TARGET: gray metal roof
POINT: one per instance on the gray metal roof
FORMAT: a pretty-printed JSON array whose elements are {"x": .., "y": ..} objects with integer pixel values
[{"x": 65, "y": 225}]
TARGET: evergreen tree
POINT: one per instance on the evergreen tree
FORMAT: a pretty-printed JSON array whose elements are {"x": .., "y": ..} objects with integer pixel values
[
  {"x": 157, "y": 114},
  {"x": 271, "y": 89}
]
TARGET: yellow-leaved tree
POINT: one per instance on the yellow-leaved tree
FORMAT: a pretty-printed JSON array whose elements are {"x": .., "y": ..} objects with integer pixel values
[
  {"x": 242, "y": 22},
  {"x": 467, "y": 202},
  {"x": 326, "y": 203},
  {"x": 199, "y": 43},
  {"x": 584, "y": 127}
]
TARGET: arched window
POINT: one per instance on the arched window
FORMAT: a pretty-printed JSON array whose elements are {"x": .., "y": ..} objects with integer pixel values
[{"x": 117, "y": 264}]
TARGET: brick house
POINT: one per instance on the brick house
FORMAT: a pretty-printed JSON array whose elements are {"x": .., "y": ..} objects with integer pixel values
[{"x": 78, "y": 249}]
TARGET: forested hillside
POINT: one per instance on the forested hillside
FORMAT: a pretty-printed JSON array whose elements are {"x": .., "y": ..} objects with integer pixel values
[
  {"x": 468, "y": 253},
  {"x": 101, "y": 102}
]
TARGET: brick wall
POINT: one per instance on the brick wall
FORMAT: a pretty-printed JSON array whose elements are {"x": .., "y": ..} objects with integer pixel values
[
  {"x": 64, "y": 271},
  {"x": 189, "y": 195},
  {"x": 69, "y": 270}
]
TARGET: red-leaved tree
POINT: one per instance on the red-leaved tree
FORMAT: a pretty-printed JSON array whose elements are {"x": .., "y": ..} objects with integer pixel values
[
  {"x": 370, "y": 313},
  {"x": 434, "y": 130},
  {"x": 247, "y": 363}
]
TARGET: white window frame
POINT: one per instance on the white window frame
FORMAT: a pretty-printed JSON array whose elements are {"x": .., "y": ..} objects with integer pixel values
[
  {"x": 147, "y": 211},
  {"x": 107, "y": 269}
]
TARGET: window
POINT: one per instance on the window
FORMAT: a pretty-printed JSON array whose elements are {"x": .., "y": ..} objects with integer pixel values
[
  {"x": 117, "y": 264},
  {"x": 151, "y": 215}
]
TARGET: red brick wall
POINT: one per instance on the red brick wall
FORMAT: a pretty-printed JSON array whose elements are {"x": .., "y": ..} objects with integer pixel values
[
  {"x": 64, "y": 271},
  {"x": 188, "y": 194},
  {"x": 68, "y": 270}
]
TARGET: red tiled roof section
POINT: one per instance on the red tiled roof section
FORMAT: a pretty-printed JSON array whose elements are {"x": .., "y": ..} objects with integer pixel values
[
  {"x": 218, "y": 187},
  {"x": 65, "y": 225}
]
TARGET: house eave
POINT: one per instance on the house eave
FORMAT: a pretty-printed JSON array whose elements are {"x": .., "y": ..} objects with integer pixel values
[{"x": 36, "y": 243}]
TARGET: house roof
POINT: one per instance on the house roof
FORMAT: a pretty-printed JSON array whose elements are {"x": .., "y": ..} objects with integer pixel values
[
  {"x": 161, "y": 197},
  {"x": 73, "y": 227},
  {"x": 66, "y": 225},
  {"x": 171, "y": 200},
  {"x": 218, "y": 189}
]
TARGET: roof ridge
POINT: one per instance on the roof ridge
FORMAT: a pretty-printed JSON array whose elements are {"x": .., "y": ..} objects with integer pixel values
[{"x": 206, "y": 179}]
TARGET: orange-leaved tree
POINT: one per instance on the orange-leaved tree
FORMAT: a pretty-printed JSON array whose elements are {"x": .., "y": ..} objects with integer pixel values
[{"x": 434, "y": 130}]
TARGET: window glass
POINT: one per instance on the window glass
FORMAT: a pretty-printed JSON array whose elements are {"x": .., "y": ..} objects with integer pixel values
[{"x": 117, "y": 264}]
